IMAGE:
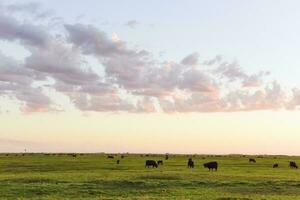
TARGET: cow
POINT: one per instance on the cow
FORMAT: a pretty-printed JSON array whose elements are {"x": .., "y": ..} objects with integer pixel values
[
  {"x": 74, "y": 155},
  {"x": 151, "y": 163},
  {"x": 160, "y": 162},
  {"x": 190, "y": 163},
  {"x": 167, "y": 157},
  {"x": 275, "y": 165},
  {"x": 211, "y": 165},
  {"x": 118, "y": 161},
  {"x": 252, "y": 160},
  {"x": 293, "y": 165},
  {"x": 111, "y": 157},
  {"x": 122, "y": 156}
]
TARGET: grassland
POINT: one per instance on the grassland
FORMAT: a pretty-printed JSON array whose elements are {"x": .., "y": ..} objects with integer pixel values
[{"x": 93, "y": 176}]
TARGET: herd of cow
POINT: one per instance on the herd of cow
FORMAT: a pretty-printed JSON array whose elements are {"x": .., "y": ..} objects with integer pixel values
[
  {"x": 190, "y": 164},
  {"x": 210, "y": 165},
  {"x": 292, "y": 164}
]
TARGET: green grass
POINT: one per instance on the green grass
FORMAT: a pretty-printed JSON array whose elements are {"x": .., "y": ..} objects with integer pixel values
[{"x": 93, "y": 176}]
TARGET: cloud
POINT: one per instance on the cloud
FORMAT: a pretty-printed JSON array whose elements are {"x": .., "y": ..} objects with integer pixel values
[
  {"x": 28, "y": 34},
  {"x": 132, "y": 23},
  {"x": 132, "y": 79},
  {"x": 85, "y": 88},
  {"x": 115, "y": 38},
  {"x": 255, "y": 80},
  {"x": 196, "y": 102},
  {"x": 93, "y": 41},
  {"x": 191, "y": 59},
  {"x": 146, "y": 104},
  {"x": 32, "y": 8},
  {"x": 123, "y": 66},
  {"x": 295, "y": 102},
  {"x": 232, "y": 71},
  {"x": 271, "y": 97},
  {"x": 16, "y": 81},
  {"x": 213, "y": 61},
  {"x": 62, "y": 63},
  {"x": 197, "y": 80},
  {"x": 103, "y": 103}
]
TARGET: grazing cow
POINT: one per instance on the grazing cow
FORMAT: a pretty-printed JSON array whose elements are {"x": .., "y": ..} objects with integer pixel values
[
  {"x": 151, "y": 163},
  {"x": 160, "y": 162},
  {"x": 74, "y": 155},
  {"x": 252, "y": 160},
  {"x": 122, "y": 156},
  {"x": 167, "y": 157},
  {"x": 190, "y": 163},
  {"x": 275, "y": 165},
  {"x": 118, "y": 161},
  {"x": 293, "y": 165},
  {"x": 111, "y": 157},
  {"x": 211, "y": 165}
]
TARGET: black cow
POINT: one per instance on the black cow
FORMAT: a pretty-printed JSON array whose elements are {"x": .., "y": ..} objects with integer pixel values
[
  {"x": 252, "y": 160},
  {"x": 275, "y": 165},
  {"x": 167, "y": 157},
  {"x": 160, "y": 162},
  {"x": 211, "y": 165},
  {"x": 118, "y": 161},
  {"x": 111, "y": 157},
  {"x": 122, "y": 156},
  {"x": 293, "y": 165},
  {"x": 190, "y": 163},
  {"x": 151, "y": 163}
]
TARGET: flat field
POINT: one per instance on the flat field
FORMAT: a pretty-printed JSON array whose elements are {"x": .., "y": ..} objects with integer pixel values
[{"x": 94, "y": 176}]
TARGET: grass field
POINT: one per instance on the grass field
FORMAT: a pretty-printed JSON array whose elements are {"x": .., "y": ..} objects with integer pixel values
[{"x": 93, "y": 176}]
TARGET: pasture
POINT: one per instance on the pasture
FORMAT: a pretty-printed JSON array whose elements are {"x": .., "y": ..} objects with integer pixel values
[{"x": 94, "y": 176}]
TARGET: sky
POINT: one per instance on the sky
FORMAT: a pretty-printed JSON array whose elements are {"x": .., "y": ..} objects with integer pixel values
[{"x": 207, "y": 77}]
